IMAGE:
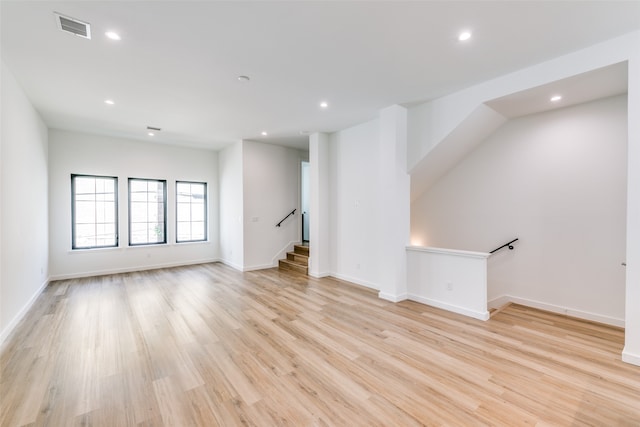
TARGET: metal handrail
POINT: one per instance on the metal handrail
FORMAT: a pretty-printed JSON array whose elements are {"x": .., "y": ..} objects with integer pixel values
[
  {"x": 506, "y": 245},
  {"x": 288, "y": 215}
]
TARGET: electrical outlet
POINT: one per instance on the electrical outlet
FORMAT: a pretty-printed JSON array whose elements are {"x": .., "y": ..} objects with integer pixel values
[{"x": 449, "y": 286}]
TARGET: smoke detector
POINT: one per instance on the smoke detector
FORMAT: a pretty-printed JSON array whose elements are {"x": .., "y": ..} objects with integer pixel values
[{"x": 73, "y": 26}]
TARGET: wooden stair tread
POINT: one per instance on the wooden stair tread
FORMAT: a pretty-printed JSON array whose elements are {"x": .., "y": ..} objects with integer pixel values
[
  {"x": 286, "y": 264},
  {"x": 298, "y": 260}
]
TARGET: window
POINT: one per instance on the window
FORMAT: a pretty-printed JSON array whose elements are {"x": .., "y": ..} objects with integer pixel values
[
  {"x": 191, "y": 211},
  {"x": 147, "y": 211},
  {"x": 94, "y": 211}
]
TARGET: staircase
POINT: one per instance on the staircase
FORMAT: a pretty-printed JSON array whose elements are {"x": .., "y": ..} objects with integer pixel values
[{"x": 298, "y": 260}]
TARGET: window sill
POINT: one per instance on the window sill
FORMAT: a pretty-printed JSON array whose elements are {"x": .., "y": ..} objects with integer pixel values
[{"x": 136, "y": 247}]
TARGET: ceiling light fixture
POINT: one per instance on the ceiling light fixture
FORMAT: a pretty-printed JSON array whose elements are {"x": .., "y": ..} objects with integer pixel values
[
  {"x": 109, "y": 101},
  {"x": 263, "y": 133},
  {"x": 556, "y": 98},
  {"x": 464, "y": 36},
  {"x": 151, "y": 134},
  {"x": 112, "y": 35},
  {"x": 324, "y": 104}
]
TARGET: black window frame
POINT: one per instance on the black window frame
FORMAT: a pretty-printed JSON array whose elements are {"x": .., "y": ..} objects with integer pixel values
[
  {"x": 74, "y": 246},
  {"x": 164, "y": 196},
  {"x": 206, "y": 211}
]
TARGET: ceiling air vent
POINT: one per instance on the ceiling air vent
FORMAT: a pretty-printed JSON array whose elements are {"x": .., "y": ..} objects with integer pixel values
[{"x": 73, "y": 26}]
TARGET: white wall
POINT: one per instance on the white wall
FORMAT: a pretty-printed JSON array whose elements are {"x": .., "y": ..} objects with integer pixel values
[
  {"x": 557, "y": 181},
  {"x": 631, "y": 352},
  {"x": 355, "y": 204},
  {"x": 76, "y": 153},
  {"x": 24, "y": 201},
  {"x": 320, "y": 216},
  {"x": 449, "y": 279},
  {"x": 271, "y": 189},
  {"x": 430, "y": 123},
  {"x": 393, "y": 192},
  {"x": 231, "y": 206}
]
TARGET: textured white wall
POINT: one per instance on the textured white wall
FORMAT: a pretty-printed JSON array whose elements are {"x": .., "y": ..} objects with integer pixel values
[
  {"x": 24, "y": 200},
  {"x": 557, "y": 181},
  {"x": 77, "y": 153}
]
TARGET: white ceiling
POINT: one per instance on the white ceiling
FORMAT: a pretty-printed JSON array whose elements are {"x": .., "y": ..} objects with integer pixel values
[
  {"x": 177, "y": 64},
  {"x": 601, "y": 83}
]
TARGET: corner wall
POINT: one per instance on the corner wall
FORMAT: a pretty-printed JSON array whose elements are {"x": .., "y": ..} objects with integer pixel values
[
  {"x": 556, "y": 181},
  {"x": 271, "y": 189},
  {"x": 24, "y": 263}
]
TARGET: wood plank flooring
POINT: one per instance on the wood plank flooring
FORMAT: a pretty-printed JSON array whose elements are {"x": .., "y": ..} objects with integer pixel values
[{"x": 208, "y": 346}]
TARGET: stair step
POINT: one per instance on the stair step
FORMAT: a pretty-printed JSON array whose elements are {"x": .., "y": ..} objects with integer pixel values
[
  {"x": 302, "y": 259},
  {"x": 300, "y": 249},
  {"x": 286, "y": 264}
]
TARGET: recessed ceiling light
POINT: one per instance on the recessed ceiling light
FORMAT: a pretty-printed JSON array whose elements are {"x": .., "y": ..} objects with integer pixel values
[
  {"x": 151, "y": 134},
  {"x": 464, "y": 36},
  {"x": 112, "y": 35},
  {"x": 324, "y": 104},
  {"x": 556, "y": 98},
  {"x": 244, "y": 79},
  {"x": 109, "y": 101},
  {"x": 263, "y": 133}
]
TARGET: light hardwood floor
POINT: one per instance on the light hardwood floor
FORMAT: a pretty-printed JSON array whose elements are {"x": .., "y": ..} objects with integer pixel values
[{"x": 209, "y": 346}]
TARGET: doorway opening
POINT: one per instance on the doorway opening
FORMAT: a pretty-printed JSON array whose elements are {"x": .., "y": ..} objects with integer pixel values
[{"x": 304, "y": 201}]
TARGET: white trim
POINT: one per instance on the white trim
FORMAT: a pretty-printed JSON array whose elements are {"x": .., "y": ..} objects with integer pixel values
[
  {"x": 230, "y": 264},
  {"x": 631, "y": 358},
  {"x": 134, "y": 269},
  {"x": 257, "y": 267},
  {"x": 356, "y": 281},
  {"x": 18, "y": 317},
  {"x": 455, "y": 252},
  {"x": 481, "y": 315},
  {"x": 282, "y": 253},
  {"x": 498, "y": 302},
  {"x": 319, "y": 275},
  {"x": 568, "y": 311},
  {"x": 392, "y": 297}
]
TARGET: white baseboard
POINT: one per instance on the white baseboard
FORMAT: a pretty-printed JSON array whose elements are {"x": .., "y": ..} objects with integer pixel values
[
  {"x": 568, "y": 311},
  {"x": 480, "y": 315},
  {"x": 319, "y": 275},
  {"x": 360, "y": 282},
  {"x": 629, "y": 357},
  {"x": 258, "y": 267},
  {"x": 392, "y": 297},
  {"x": 499, "y": 302},
  {"x": 132, "y": 269},
  {"x": 18, "y": 317}
]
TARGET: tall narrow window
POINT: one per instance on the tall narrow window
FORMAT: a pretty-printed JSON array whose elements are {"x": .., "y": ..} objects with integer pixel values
[
  {"x": 94, "y": 211},
  {"x": 191, "y": 211},
  {"x": 147, "y": 211}
]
